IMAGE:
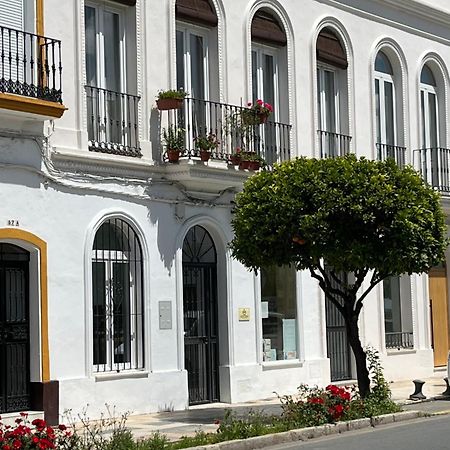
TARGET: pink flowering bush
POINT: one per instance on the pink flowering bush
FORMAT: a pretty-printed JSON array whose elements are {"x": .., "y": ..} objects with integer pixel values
[{"x": 35, "y": 435}]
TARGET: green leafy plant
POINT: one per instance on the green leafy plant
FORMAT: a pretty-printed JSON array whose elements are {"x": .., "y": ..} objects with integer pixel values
[
  {"x": 172, "y": 93},
  {"x": 206, "y": 143},
  {"x": 173, "y": 137}
]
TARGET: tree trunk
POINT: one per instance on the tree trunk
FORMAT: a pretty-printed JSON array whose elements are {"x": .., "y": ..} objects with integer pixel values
[{"x": 362, "y": 372}]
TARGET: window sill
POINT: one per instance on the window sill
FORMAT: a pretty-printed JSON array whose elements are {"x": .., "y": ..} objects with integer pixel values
[
  {"x": 400, "y": 351},
  {"x": 126, "y": 374},
  {"x": 281, "y": 364}
]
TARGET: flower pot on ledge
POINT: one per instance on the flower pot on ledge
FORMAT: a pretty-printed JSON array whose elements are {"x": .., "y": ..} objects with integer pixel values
[
  {"x": 166, "y": 104},
  {"x": 205, "y": 155},
  {"x": 235, "y": 160},
  {"x": 173, "y": 156}
]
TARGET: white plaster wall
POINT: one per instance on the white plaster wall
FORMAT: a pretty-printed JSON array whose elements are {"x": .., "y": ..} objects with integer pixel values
[{"x": 63, "y": 212}]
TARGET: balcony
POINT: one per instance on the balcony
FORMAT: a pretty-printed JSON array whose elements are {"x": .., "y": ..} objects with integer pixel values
[
  {"x": 400, "y": 340},
  {"x": 333, "y": 144},
  {"x": 234, "y": 126},
  {"x": 395, "y": 152},
  {"x": 112, "y": 122},
  {"x": 434, "y": 166},
  {"x": 30, "y": 73}
]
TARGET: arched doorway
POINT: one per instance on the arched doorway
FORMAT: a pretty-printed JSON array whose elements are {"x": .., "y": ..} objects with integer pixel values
[
  {"x": 201, "y": 347},
  {"x": 14, "y": 329}
]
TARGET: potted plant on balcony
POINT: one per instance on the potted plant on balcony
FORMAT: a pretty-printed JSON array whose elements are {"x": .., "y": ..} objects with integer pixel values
[
  {"x": 235, "y": 157},
  {"x": 256, "y": 113},
  {"x": 173, "y": 139},
  {"x": 170, "y": 99},
  {"x": 251, "y": 161},
  {"x": 205, "y": 145}
]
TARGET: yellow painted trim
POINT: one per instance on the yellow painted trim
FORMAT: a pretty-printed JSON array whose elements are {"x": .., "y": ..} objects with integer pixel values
[
  {"x": 21, "y": 103},
  {"x": 14, "y": 233},
  {"x": 40, "y": 17}
]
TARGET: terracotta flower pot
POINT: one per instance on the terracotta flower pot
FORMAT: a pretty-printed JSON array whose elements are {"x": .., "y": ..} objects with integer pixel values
[
  {"x": 205, "y": 155},
  {"x": 244, "y": 164},
  {"x": 165, "y": 104},
  {"x": 173, "y": 155},
  {"x": 235, "y": 160},
  {"x": 254, "y": 165}
]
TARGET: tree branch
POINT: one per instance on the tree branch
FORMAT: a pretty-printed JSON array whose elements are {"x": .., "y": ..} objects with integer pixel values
[
  {"x": 376, "y": 278},
  {"x": 324, "y": 287}
]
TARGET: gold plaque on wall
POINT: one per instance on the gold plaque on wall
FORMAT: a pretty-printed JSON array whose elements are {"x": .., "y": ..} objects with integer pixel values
[{"x": 244, "y": 314}]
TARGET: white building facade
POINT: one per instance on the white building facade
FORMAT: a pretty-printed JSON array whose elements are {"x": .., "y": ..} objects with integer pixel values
[{"x": 116, "y": 281}]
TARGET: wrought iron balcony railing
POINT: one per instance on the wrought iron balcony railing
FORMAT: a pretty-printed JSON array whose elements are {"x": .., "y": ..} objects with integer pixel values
[
  {"x": 396, "y": 152},
  {"x": 234, "y": 127},
  {"x": 434, "y": 165},
  {"x": 112, "y": 120},
  {"x": 403, "y": 339},
  {"x": 30, "y": 65},
  {"x": 333, "y": 144}
]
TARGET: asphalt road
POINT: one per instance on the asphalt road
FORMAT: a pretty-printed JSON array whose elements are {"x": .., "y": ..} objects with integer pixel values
[{"x": 422, "y": 434}]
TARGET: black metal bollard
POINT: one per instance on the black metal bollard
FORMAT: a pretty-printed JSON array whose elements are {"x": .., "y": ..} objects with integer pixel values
[
  {"x": 417, "y": 395},
  {"x": 447, "y": 390}
]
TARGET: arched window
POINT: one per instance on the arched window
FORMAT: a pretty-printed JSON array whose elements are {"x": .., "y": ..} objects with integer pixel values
[
  {"x": 429, "y": 109},
  {"x": 385, "y": 109},
  {"x": 117, "y": 298},
  {"x": 332, "y": 99}
]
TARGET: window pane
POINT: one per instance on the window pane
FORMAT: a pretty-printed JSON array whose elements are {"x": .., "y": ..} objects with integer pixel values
[
  {"x": 254, "y": 76},
  {"x": 389, "y": 112},
  {"x": 269, "y": 80},
  {"x": 112, "y": 41},
  {"x": 197, "y": 67},
  {"x": 427, "y": 77},
  {"x": 424, "y": 124},
  {"x": 121, "y": 312},
  {"x": 382, "y": 64},
  {"x": 279, "y": 313},
  {"x": 433, "y": 120},
  {"x": 392, "y": 309},
  {"x": 330, "y": 102},
  {"x": 90, "y": 46},
  {"x": 99, "y": 312},
  {"x": 378, "y": 110},
  {"x": 180, "y": 61}
]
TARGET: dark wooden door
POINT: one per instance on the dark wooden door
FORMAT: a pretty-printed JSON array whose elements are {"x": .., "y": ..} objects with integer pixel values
[
  {"x": 14, "y": 329},
  {"x": 200, "y": 317}
]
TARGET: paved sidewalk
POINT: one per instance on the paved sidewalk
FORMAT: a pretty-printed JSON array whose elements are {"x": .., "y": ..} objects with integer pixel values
[{"x": 181, "y": 423}]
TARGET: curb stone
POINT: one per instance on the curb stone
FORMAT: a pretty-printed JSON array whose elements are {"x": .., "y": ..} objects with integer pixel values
[{"x": 305, "y": 434}]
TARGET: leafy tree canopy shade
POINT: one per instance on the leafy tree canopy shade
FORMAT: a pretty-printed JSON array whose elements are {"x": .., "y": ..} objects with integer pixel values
[
  {"x": 357, "y": 214},
  {"x": 360, "y": 216}
]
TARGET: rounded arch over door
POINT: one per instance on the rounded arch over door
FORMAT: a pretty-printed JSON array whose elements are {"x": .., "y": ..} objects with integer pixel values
[{"x": 200, "y": 307}]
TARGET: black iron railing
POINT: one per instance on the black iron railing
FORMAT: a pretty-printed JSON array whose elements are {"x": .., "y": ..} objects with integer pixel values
[
  {"x": 112, "y": 120},
  {"x": 234, "y": 127},
  {"x": 403, "y": 339},
  {"x": 395, "y": 152},
  {"x": 30, "y": 65},
  {"x": 434, "y": 165},
  {"x": 333, "y": 144}
]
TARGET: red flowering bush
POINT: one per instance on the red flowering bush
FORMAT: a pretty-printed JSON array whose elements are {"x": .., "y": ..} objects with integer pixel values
[
  {"x": 315, "y": 406},
  {"x": 35, "y": 435}
]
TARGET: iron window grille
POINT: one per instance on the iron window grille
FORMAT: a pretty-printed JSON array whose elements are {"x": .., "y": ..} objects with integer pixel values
[{"x": 117, "y": 298}]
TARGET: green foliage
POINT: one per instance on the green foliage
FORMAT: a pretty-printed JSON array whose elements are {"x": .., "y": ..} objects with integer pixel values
[
  {"x": 379, "y": 400},
  {"x": 172, "y": 93},
  {"x": 354, "y": 213},
  {"x": 173, "y": 137},
  {"x": 208, "y": 142}
]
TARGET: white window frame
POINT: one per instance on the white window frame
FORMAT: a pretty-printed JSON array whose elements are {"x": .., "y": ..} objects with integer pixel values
[
  {"x": 261, "y": 51},
  {"x": 427, "y": 89},
  {"x": 188, "y": 30},
  {"x": 382, "y": 79},
  {"x": 321, "y": 96}
]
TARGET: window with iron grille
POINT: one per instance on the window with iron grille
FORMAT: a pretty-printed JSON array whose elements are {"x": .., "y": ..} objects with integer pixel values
[{"x": 117, "y": 298}]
